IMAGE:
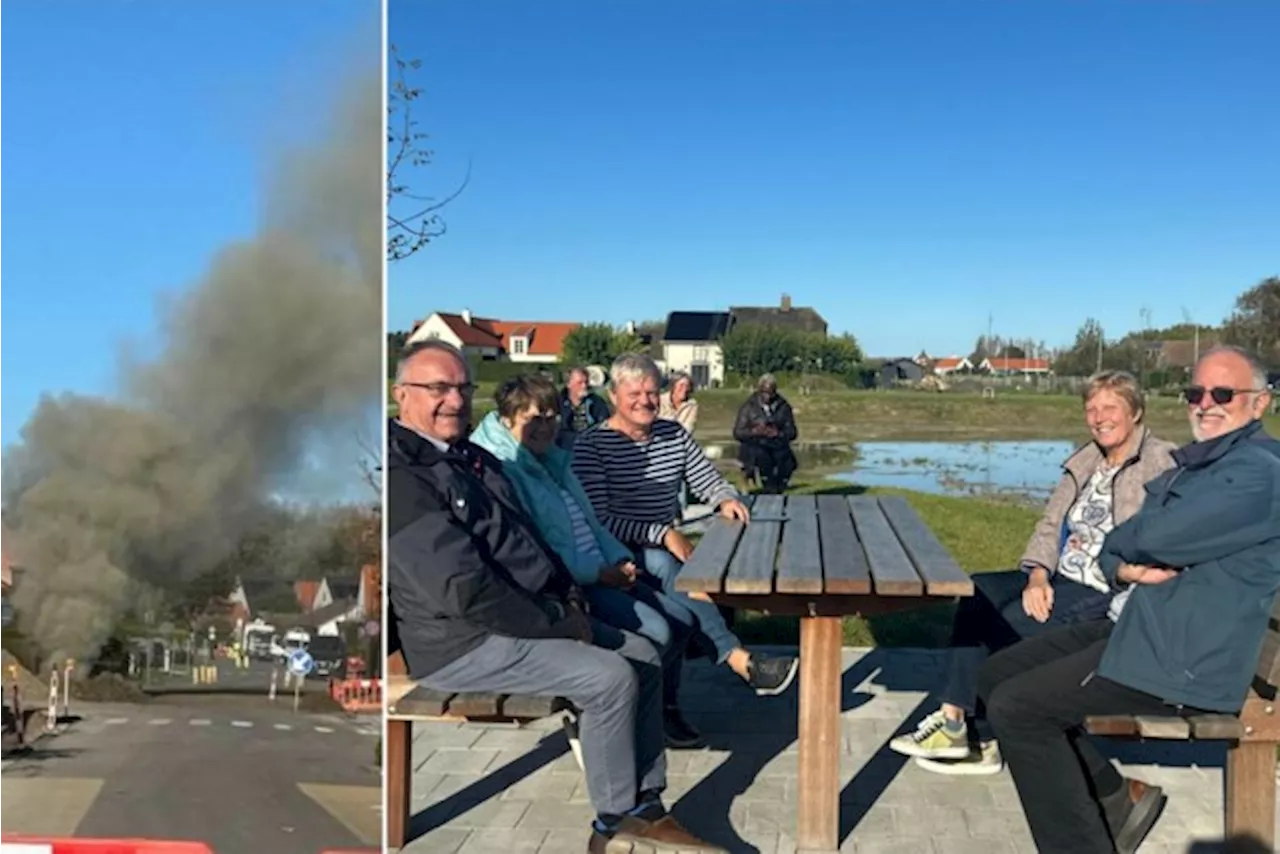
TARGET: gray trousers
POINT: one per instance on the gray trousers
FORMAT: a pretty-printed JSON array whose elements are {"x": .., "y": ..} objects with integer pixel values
[{"x": 616, "y": 682}]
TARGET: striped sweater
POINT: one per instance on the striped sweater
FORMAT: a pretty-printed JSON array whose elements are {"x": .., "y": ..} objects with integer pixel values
[{"x": 634, "y": 487}]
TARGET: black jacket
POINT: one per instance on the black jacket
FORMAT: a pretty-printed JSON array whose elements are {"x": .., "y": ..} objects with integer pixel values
[
  {"x": 752, "y": 415},
  {"x": 463, "y": 561},
  {"x": 596, "y": 411}
]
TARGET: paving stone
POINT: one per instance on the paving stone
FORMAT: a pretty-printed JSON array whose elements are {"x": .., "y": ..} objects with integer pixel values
[
  {"x": 557, "y": 815},
  {"x": 973, "y": 845},
  {"x": 566, "y": 841},
  {"x": 456, "y": 761},
  {"x": 492, "y": 814},
  {"x": 444, "y": 840},
  {"x": 513, "y": 841}
]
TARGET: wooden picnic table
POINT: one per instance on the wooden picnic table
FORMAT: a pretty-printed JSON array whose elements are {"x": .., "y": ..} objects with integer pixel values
[{"x": 823, "y": 557}]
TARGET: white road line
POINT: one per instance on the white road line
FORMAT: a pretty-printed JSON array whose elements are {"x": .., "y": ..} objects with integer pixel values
[
  {"x": 284, "y": 727},
  {"x": 324, "y": 729},
  {"x": 115, "y": 721},
  {"x": 200, "y": 722},
  {"x": 242, "y": 724},
  {"x": 160, "y": 721}
]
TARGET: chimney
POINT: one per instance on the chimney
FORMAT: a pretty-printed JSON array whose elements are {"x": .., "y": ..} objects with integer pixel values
[
  {"x": 786, "y": 302},
  {"x": 631, "y": 327},
  {"x": 466, "y": 316}
]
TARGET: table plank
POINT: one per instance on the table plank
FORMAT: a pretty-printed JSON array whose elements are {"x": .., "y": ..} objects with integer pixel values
[
  {"x": 891, "y": 569},
  {"x": 942, "y": 575},
  {"x": 800, "y": 557},
  {"x": 705, "y": 571},
  {"x": 843, "y": 562},
  {"x": 752, "y": 567}
]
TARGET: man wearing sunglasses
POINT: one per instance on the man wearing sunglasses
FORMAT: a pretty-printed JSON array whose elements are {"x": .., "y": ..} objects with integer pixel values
[
  {"x": 479, "y": 602},
  {"x": 1196, "y": 572}
]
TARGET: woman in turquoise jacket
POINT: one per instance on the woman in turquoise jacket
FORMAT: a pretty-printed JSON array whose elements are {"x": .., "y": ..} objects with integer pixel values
[{"x": 522, "y": 434}]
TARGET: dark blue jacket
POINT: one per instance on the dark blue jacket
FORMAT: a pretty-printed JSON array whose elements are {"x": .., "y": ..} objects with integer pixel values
[
  {"x": 1195, "y": 640},
  {"x": 596, "y": 411}
]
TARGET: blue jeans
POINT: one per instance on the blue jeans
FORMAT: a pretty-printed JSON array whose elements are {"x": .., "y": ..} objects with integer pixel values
[
  {"x": 993, "y": 619},
  {"x": 655, "y": 616},
  {"x": 663, "y": 567}
]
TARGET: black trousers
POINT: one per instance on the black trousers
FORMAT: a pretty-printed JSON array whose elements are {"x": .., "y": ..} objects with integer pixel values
[{"x": 1037, "y": 694}]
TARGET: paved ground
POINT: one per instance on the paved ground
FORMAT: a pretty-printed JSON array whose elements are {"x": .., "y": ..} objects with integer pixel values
[
  {"x": 480, "y": 789},
  {"x": 242, "y": 776}
]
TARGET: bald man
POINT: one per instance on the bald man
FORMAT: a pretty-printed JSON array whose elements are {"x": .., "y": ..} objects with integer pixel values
[{"x": 1195, "y": 573}]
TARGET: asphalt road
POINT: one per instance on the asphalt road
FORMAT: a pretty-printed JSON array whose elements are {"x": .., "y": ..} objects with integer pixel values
[{"x": 243, "y": 777}]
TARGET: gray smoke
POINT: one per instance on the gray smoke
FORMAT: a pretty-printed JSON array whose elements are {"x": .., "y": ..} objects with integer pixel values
[{"x": 277, "y": 351}]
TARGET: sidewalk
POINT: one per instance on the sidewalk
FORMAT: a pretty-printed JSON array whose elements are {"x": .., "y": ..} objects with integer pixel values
[{"x": 480, "y": 789}]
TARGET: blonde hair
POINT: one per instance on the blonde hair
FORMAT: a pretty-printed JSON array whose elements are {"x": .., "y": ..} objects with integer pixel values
[{"x": 1121, "y": 383}]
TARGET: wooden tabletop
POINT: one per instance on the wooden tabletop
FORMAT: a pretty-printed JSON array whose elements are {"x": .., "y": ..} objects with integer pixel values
[{"x": 824, "y": 545}]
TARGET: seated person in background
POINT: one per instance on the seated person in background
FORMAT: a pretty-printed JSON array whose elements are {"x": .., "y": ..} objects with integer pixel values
[
  {"x": 481, "y": 605},
  {"x": 1058, "y": 580},
  {"x": 677, "y": 402},
  {"x": 580, "y": 408},
  {"x": 764, "y": 430},
  {"x": 521, "y": 434},
  {"x": 631, "y": 467},
  {"x": 1196, "y": 570}
]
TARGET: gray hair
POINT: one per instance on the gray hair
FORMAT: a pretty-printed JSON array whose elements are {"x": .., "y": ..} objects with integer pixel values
[
  {"x": 428, "y": 345},
  {"x": 768, "y": 381},
  {"x": 631, "y": 366},
  {"x": 574, "y": 371},
  {"x": 677, "y": 376},
  {"x": 1257, "y": 370}
]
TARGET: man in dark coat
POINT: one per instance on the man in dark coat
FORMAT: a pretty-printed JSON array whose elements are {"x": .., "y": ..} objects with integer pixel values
[
  {"x": 580, "y": 408},
  {"x": 479, "y": 603},
  {"x": 1195, "y": 572},
  {"x": 764, "y": 430}
]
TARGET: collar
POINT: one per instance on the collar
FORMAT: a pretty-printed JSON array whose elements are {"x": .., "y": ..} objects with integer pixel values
[{"x": 1201, "y": 454}]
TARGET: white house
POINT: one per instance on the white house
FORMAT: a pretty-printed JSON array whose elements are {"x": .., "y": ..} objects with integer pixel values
[
  {"x": 1008, "y": 366},
  {"x": 691, "y": 343},
  {"x": 952, "y": 364},
  {"x": 533, "y": 341}
]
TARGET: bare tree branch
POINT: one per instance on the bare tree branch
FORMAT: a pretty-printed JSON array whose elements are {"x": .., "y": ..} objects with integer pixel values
[{"x": 409, "y": 232}]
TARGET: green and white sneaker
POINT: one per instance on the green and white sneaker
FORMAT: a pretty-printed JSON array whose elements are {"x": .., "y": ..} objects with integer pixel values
[
  {"x": 931, "y": 740},
  {"x": 981, "y": 764}
]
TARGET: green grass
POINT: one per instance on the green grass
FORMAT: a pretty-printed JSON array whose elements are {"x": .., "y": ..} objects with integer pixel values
[{"x": 982, "y": 536}]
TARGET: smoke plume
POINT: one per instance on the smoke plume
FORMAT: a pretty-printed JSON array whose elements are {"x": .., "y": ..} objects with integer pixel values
[{"x": 275, "y": 352}]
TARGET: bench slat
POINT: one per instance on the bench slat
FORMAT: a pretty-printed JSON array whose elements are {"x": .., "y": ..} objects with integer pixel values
[
  {"x": 1167, "y": 727},
  {"x": 1175, "y": 728},
  {"x": 1120, "y": 726},
  {"x": 423, "y": 702},
  {"x": 942, "y": 575},
  {"x": 526, "y": 707},
  {"x": 1216, "y": 727},
  {"x": 1269, "y": 662},
  {"x": 843, "y": 559},
  {"x": 706, "y": 568},
  {"x": 476, "y": 705},
  {"x": 800, "y": 557},
  {"x": 751, "y": 570},
  {"x": 891, "y": 569}
]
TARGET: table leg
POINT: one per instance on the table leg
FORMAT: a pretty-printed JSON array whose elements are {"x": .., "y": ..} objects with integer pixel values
[{"x": 819, "y": 777}]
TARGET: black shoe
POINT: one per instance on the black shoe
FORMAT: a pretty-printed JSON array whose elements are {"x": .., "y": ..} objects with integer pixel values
[
  {"x": 771, "y": 676},
  {"x": 1132, "y": 813},
  {"x": 678, "y": 731}
]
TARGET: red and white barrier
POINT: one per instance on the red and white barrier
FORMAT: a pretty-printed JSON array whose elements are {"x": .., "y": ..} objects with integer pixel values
[
  {"x": 15, "y": 844},
  {"x": 357, "y": 695}
]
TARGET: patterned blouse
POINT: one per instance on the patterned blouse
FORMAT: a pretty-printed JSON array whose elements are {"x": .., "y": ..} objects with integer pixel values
[{"x": 1089, "y": 521}]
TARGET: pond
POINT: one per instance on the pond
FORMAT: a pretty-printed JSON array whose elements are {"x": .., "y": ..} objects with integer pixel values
[{"x": 1016, "y": 469}]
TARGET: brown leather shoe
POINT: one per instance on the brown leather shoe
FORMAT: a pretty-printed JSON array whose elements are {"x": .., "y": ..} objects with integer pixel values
[
  {"x": 1131, "y": 819},
  {"x": 664, "y": 836}
]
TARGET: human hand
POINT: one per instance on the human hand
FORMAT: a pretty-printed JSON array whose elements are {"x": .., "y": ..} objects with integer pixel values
[
  {"x": 621, "y": 575},
  {"x": 1140, "y": 574},
  {"x": 734, "y": 510},
  {"x": 1037, "y": 596},
  {"x": 678, "y": 544}
]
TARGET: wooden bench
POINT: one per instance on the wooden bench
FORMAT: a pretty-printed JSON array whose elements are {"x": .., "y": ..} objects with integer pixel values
[
  {"x": 1252, "y": 738},
  {"x": 408, "y": 702},
  {"x": 822, "y": 558}
]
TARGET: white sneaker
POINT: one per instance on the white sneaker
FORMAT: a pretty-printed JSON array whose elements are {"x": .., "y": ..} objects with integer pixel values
[
  {"x": 932, "y": 741},
  {"x": 983, "y": 764}
]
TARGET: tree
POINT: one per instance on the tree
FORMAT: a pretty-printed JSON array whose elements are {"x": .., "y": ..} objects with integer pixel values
[
  {"x": 752, "y": 350},
  {"x": 598, "y": 344},
  {"x": 1084, "y": 356},
  {"x": 413, "y": 219},
  {"x": 395, "y": 343},
  {"x": 1255, "y": 323}
]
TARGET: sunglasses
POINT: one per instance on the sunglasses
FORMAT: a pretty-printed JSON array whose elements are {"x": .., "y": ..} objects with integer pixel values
[{"x": 1218, "y": 394}]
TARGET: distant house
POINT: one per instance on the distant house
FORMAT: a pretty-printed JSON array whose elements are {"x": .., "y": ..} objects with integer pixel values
[
  {"x": 901, "y": 370},
  {"x": 691, "y": 343},
  {"x": 328, "y": 620},
  {"x": 534, "y": 341},
  {"x": 1180, "y": 355},
  {"x": 254, "y": 596},
  {"x": 1003, "y": 366},
  {"x": 951, "y": 365},
  {"x": 784, "y": 316}
]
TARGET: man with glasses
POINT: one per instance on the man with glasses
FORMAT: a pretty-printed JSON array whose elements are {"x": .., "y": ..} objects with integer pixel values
[
  {"x": 1196, "y": 572},
  {"x": 480, "y": 604}
]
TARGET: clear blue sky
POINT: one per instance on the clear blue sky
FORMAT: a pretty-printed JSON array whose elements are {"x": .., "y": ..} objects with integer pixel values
[
  {"x": 138, "y": 131},
  {"x": 905, "y": 167}
]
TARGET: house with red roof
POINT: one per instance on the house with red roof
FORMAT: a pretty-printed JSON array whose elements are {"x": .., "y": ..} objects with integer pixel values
[
  {"x": 487, "y": 338},
  {"x": 1003, "y": 365},
  {"x": 951, "y": 364}
]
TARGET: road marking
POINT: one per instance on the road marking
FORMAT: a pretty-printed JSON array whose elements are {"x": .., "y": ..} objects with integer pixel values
[
  {"x": 200, "y": 722},
  {"x": 242, "y": 724},
  {"x": 324, "y": 729},
  {"x": 285, "y": 727},
  {"x": 160, "y": 721},
  {"x": 115, "y": 721}
]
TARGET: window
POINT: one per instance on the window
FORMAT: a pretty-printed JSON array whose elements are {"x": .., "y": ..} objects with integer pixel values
[
  {"x": 517, "y": 346},
  {"x": 700, "y": 354}
]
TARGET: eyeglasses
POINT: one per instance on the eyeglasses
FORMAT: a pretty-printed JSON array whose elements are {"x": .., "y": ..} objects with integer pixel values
[
  {"x": 1218, "y": 394},
  {"x": 443, "y": 389}
]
